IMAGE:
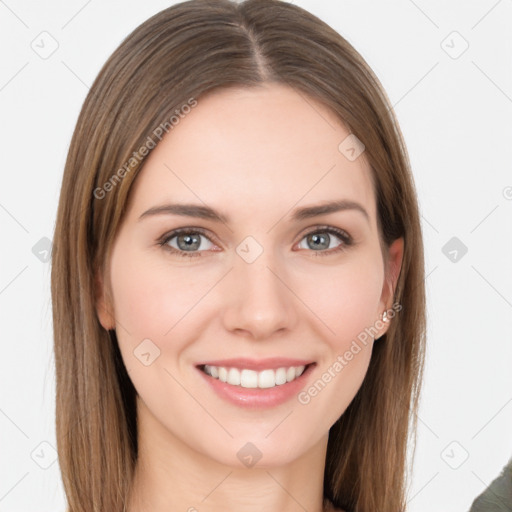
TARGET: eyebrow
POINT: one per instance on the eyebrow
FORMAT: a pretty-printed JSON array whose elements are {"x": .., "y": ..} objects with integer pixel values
[{"x": 205, "y": 212}]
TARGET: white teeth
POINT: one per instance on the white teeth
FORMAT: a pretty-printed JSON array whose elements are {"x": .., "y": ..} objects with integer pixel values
[
  {"x": 252, "y": 379},
  {"x": 281, "y": 376},
  {"x": 267, "y": 379},
  {"x": 249, "y": 379},
  {"x": 223, "y": 374},
  {"x": 233, "y": 377}
]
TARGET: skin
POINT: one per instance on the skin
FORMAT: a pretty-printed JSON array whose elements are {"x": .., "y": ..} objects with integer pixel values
[{"x": 255, "y": 155}]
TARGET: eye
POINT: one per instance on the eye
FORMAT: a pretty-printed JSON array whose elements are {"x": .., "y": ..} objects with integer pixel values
[
  {"x": 321, "y": 239},
  {"x": 188, "y": 242},
  {"x": 192, "y": 242}
]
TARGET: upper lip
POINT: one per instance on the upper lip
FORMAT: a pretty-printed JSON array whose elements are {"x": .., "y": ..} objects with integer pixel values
[{"x": 272, "y": 363}]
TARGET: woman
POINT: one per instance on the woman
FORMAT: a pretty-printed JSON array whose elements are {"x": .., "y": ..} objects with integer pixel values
[{"x": 237, "y": 276}]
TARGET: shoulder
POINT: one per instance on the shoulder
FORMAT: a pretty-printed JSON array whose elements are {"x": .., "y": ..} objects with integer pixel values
[{"x": 498, "y": 496}]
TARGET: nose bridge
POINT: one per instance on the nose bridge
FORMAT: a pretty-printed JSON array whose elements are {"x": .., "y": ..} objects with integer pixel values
[{"x": 259, "y": 301}]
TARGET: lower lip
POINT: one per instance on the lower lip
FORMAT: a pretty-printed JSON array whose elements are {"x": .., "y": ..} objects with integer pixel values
[{"x": 258, "y": 398}]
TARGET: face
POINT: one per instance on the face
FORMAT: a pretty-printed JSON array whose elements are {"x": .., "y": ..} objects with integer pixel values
[{"x": 272, "y": 298}]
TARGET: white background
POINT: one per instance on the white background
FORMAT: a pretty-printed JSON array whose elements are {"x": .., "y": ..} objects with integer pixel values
[{"x": 455, "y": 114}]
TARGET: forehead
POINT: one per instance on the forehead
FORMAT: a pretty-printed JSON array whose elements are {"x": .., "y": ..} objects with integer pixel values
[{"x": 239, "y": 149}]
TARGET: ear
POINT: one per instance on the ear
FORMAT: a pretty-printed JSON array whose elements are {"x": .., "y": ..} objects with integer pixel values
[
  {"x": 393, "y": 267},
  {"x": 103, "y": 306}
]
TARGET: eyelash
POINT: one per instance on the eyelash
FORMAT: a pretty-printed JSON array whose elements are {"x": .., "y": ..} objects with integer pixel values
[{"x": 341, "y": 234}]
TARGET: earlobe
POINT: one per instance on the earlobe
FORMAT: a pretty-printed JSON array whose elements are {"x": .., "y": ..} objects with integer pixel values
[{"x": 103, "y": 309}]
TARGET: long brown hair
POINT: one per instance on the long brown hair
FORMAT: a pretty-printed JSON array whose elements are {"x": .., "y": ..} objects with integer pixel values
[{"x": 183, "y": 52}]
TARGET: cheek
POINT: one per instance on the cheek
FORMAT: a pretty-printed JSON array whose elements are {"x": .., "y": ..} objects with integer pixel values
[
  {"x": 345, "y": 297},
  {"x": 348, "y": 308},
  {"x": 151, "y": 303},
  {"x": 149, "y": 298}
]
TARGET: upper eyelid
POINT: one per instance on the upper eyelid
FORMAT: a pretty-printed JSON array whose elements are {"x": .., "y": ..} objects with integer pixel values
[{"x": 178, "y": 231}]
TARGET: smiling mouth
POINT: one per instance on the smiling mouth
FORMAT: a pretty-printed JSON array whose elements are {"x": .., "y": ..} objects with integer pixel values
[{"x": 245, "y": 378}]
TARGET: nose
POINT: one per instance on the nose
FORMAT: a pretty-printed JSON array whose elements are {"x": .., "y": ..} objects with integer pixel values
[{"x": 259, "y": 301}]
